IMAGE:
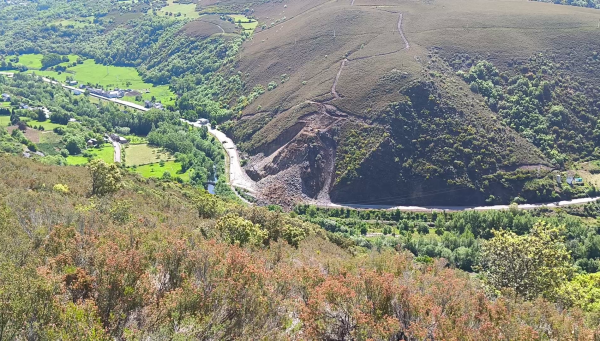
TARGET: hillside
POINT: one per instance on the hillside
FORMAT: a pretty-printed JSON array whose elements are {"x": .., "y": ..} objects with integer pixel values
[
  {"x": 364, "y": 103},
  {"x": 158, "y": 260}
]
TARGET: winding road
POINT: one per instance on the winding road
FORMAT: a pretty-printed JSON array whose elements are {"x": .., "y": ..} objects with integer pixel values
[
  {"x": 237, "y": 175},
  {"x": 239, "y": 178}
]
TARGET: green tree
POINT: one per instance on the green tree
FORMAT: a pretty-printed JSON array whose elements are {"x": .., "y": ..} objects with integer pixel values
[
  {"x": 106, "y": 178},
  {"x": 534, "y": 264},
  {"x": 237, "y": 230},
  {"x": 75, "y": 144}
]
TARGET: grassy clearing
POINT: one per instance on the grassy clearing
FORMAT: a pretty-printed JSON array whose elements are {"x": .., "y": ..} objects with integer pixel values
[
  {"x": 246, "y": 23},
  {"x": 187, "y": 11},
  {"x": 134, "y": 139},
  {"x": 105, "y": 153},
  {"x": 4, "y": 104},
  {"x": 156, "y": 170},
  {"x": 114, "y": 77},
  {"x": 46, "y": 124},
  {"x": 143, "y": 154},
  {"x": 31, "y": 61},
  {"x": 76, "y": 23}
]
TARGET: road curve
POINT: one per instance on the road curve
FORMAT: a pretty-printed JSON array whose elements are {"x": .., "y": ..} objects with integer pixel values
[
  {"x": 239, "y": 178},
  {"x": 237, "y": 175}
]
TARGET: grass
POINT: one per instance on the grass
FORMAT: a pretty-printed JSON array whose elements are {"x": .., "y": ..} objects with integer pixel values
[
  {"x": 134, "y": 139},
  {"x": 31, "y": 61},
  {"x": 143, "y": 154},
  {"x": 246, "y": 23},
  {"x": 4, "y": 104},
  {"x": 105, "y": 153},
  {"x": 187, "y": 11},
  {"x": 74, "y": 23},
  {"x": 114, "y": 77},
  {"x": 156, "y": 171}
]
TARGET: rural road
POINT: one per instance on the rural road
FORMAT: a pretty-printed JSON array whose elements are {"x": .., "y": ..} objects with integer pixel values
[
  {"x": 237, "y": 176},
  {"x": 462, "y": 208},
  {"x": 117, "y": 147}
]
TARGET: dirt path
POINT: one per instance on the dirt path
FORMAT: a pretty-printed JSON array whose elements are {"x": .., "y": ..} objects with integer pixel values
[
  {"x": 337, "y": 77},
  {"x": 407, "y": 46}
]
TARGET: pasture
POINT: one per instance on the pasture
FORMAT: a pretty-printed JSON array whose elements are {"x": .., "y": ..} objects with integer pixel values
[
  {"x": 156, "y": 170},
  {"x": 143, "y": 154},
  {"x": 31, "y": 61},
  {"x": 89, "y": 72},
  {"x": 186, "y": 10},
  {"x": 247, "y": 24},
  {"x": 105, "y": 153}
]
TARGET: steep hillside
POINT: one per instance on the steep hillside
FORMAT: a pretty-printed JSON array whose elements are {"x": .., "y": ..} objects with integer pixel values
[
  {"x": 363, "y": 103},
  {"x": 157, "y": 260}
]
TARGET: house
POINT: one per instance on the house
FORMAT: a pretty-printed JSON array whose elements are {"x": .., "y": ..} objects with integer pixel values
[
  {"x": 118, "y": 138},
  {"x": 92, "y": 142},
  {"x": 76, "y": 92},
  {"x": 72, "y": 119},
  {"x": 23, "y": 106},
  {"x": 71, "y": 83},
  {"x": 203, "y": 121},
  {"x": 122, "y": 140},
  {"x": 147, "y": 104},
  {"x": 6, "y": 97},
  {"x": 158, "y": 105},
  {"x": 113, "y": 94},
  {"x": 82, "y": 86}
]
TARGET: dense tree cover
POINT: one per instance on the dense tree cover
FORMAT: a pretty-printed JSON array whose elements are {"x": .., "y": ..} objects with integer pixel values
[
  {"x": 103, "y": 268},
  {"x": 458, "y": 236},
  {"x": 194, "y": 148},
  {"x": 536, "y": 101}
]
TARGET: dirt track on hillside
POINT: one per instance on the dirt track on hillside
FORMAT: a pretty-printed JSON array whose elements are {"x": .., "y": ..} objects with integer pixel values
[{"x": 406, "y": 44}]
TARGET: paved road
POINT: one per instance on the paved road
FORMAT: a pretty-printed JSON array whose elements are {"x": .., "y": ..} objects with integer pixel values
[
  {"x": 463, "y": 208},
  {"x": 237, "y": 175},
  {"x": 239, "y": 178},
  {"x": 117, "y": 147}
]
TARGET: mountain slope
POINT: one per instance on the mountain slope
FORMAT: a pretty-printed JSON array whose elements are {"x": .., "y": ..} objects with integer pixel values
[{"x": 350, "y": 72}]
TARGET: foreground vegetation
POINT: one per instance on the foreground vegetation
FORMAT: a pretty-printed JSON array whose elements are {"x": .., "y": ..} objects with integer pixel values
[{"x": 97, "y": 267}]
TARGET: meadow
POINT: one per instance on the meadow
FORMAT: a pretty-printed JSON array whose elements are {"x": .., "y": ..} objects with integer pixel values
[
  {"x": 186, "y": 10},
  {"x": 105, "y": 153},
  {"x": 143, "y": 154},
  {"x": 108, "y": 76},
  {"x": 155, "y": 170},
  {"x": 246, "y": 23}
]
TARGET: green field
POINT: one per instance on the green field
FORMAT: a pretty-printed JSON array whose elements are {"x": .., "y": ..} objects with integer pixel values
[
  {"x": 142, "y": 154},
  {"x": 156, "y": 171},
  {"x": 4, "y": 121},
  {"x": 247, "y": 24},
  {"x": 105, "y": 153},
  {"x": 46, "y": 124},
  {"x": 114, "y": 77},
  {"x": 4, "y": 104},
  {"x": 77, "y": 23},
  {"x": 187, "y": 11},
  {"x": 31, "y": 61}
]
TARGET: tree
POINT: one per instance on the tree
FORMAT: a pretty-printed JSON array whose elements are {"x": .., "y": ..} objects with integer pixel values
[
  {"x": 237, "y": 230},
  {"x": 106, "y": 178},
  {"x": 75, "y": 144},
  {"x": 531, "y": 265},
  {"x": 51, "y": 60},
  {"x": 41, "y": 115}
]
